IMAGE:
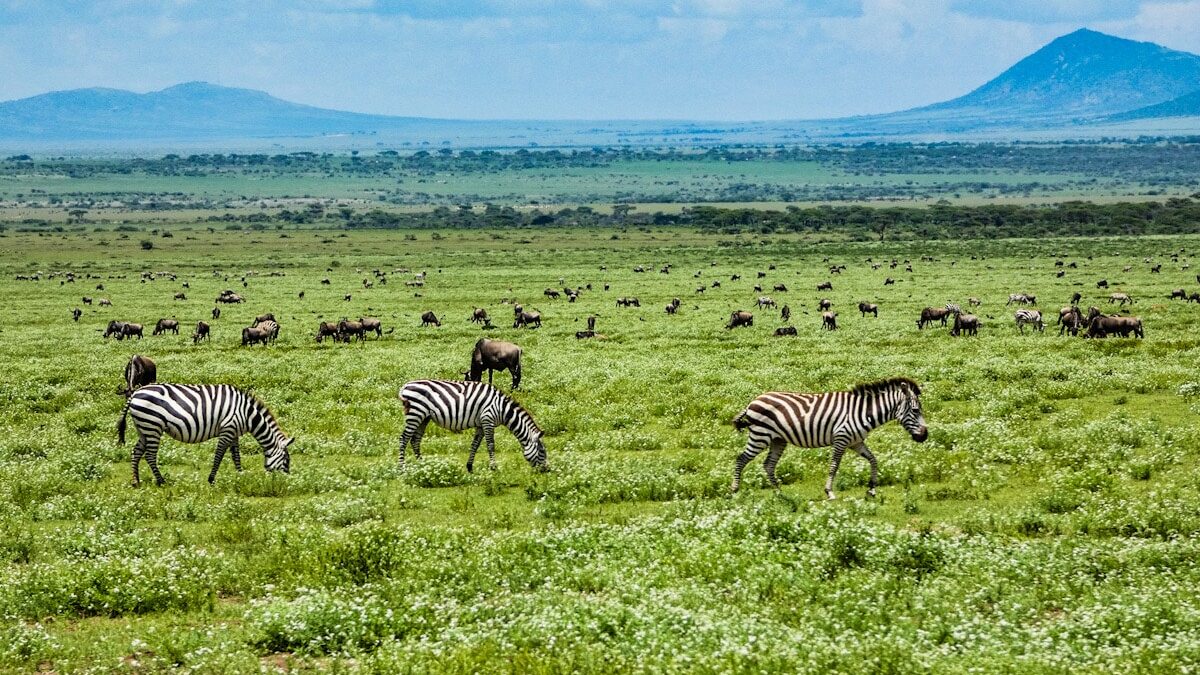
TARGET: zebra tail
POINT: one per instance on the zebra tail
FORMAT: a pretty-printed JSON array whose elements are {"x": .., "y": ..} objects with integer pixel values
[
  {"x": 742, "y": 421},
  {"x": 121, "y": 425}
]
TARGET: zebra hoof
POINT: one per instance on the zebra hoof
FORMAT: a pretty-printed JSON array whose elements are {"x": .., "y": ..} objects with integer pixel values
[
  {"x": 470, "y": 468},
  {"x": 829, "y": 496},
  {"x": 493, "y": 467},
  {"x": 871, "y": 493}
]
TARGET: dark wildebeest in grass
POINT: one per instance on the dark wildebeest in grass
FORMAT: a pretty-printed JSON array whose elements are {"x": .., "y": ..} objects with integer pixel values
[
  {"x": 202, "y": 332},
  {"x": 528, "y": 320},
  {"x": 825, "y": 286},
  {"x": 114, "y": 329},
  {"x": 165, "y": 325},
  {"x": 551, "y": 294},
  {"x": 1070, "y": 320},
  {"x": 87, "y": 300},
  {"x": 1076, "y": 297},
  {"x": 829, "y": 320},
  {"x": 868, "y": 308},
  {"x": 494, "y": 355},
  {"x": 1121, "y": 298},
  {"x": 779, "y": 288},
  {"x": 1194, "y": 297},
  {"x": 479, "y": 315},
  {"x": 216, "y": 313},
  {"x": 974, "y": 302},
  {"x": 931, "y": 314},
  {"x": 1178, "y": 293},
  {"x": 350, "y": 329},
  {"x": 1156, "y": 269},
  {"x": 139, "y": 372},
  {"x": 372, "y": 325},
  {"x": 784, "y": 331},
  {"x": 1104, "y": 326},
  {"x": 739, "y": 318},
  {"x": 261, "y": 318},
  {"x": 628, "y": 302},
  {"x": 517, "y": 309},
  {"x": 228, "y": 297},
  {"x": 76, "y": 313},
  {"x": 824, "y": 304},
  {"x": 764, "y": 301},
  {"x": 1103, "y": 283},
  {"x": 180, "y": 296},
  {"x": 672, "y": 307},
  {"x": 429, "y": 319},
  {"x": 256, "y": 335},
  {"x": 889, "y": 282},
  {"x": 105, "y": 302},
  {"x": 327, "y": 330},
  {"x": 584, "y": 334},
  {"x": 785, "y": 313},
  {"x": 965, "y": 323}
]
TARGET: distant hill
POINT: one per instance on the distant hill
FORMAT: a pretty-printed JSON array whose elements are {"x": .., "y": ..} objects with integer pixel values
[
  {"x": 1078, "y": 81},
  {"x": 194, "y": 110}
]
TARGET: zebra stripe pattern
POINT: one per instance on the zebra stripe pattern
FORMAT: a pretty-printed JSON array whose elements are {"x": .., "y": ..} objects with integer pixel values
[
  {"x": 194, "y": 413},
  {"x": 1031, "y": 317},
  {"x": 459, "y": 406},
  {"x": 841, "y": 419},
  {"x": 954, "y": 308}
]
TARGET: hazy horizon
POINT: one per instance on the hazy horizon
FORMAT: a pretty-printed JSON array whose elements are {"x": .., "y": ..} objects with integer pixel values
[{"x": 581, "y": 60}]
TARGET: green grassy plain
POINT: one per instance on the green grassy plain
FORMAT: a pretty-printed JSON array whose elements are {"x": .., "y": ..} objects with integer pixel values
[{"x": 1049, "y": 524}]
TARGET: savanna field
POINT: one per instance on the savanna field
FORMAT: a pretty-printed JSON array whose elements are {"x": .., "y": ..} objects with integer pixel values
[{"x": 1049, "y": 524}]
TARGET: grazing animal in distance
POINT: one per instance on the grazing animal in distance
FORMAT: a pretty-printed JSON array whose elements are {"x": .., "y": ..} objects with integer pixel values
[
  {"x": 262, "y": 318},
  {"x": 1076, "y": 297},
  {"x": 954, "y": 308},
  {"x": 840, "y": 419},
  {"x": 87, "y": 300},
  {"x": 528, "y": 320},
  {"x": 76, "y": 313},
  {"x": 494, "y": 355},
  {"x": 139, "y": 372},
  {"x": 180, "y": 296},
  {"x": 965, "y": 323},
  {"x": 326, "y": 329},
  {"x": 764, "y": 301},
  {"x": 824, "y": 304},
  {"x": 165, "y": 325},
  {"x": 785, "y": 313},
  {"x": 886, "y": 282},
  {"x": 216, "y": 313},
  {"x": 1070, "y": 320},
  {"x": 628, "y": 302},
  {"x": 825, "y": 286},
  {"x": 785, "y": 331},
  {"x": 105, "y": 302},
  {"x": 829, "y": 320},
  {"x": 1178, "y": 293},
  {"x": 256, "y": 335},
  {"x": 739, "y": 318},
  {"x": 1103, "y": 326},
  {"x": 372, "y": 325},
  {"x": 1194, "y": 297},
  {"x": 202, "y": 332},
  {"x": 115, "y": 329},
  {"x": 196, "y": 413},
  {"x": 931, "y": 314},
  {"x": 350, "y": 329},
  {"x": 458, "y": 406},
  {"x": 780, "y": 288},
  {"x": 1029, "y": 317},
  {"x": 868, "y": 308},
  {"x": 1103, "y": 283},
  {"x": 974, "y": 302},
  {"x": 591, "y": 322},
  {"x": 1121, "y": 298},
  {"x": 551, "y": 294},
  {"x": 1021, "y": 299},
  {"x": 429, "y": 319},
  {"x": 479, "y": 315}
]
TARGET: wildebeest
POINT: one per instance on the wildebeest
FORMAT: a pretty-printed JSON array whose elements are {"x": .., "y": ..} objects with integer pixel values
[
  {"x": 76, "y": 313},
  {"x": 1194, "y": 297},
  {"x": 785, "y": 330},
  {"x": 825, "y": 286},
  {"x": 180, "y": 296},
  {"x": 139, "y": 371},
  {"x": 1103, "y": 283},
  {"x": 1103, "y": 326},
  {"x": 886, "y": 282},
  {"x": 87, "y": 300},
  {"x": 494, "y": 355},
  {"x": 868, "y": 308},
  {"x": 779, "y": 288},
  {"x": 824, "y": 304},
  {"x": 673, "y": 306},
  {"x": 429, "y": 319},
  {"x": 1178, "y": 293},
  {"x": 739, "y": 318},
  {"x": 931, "y": 314},
  {"x": 165, "y": 325},
  {"x": 591, "y": 322},
  {"x": 228, "y": 297},
  {"x": 584, "y": 334},
  {"x": 974, "y": 302},
  {"x": 965, "y": 323},
  {"x": 371, "y": 324},
  {"x": 105, "y": 302},
  {"x": 262, "y": 318},
  {"x": 347, "y": 329},
  {"x": 785, "y": 313},
  {"x": 202, "y": 332},
  {"x": 551, "y": 294},
  {"x": 1070, "y": 320},
  {"x": 628, "y": 302},
  {"x": 1021, "y": 299},
  {"x": 1076, "y": 297},
  {"x": 1121, "y": 298},
  {"x": 216, "y": 313},
  {"x": 1030, "y": 317},
  {"x": 764, "y": 301},
  {"x": 115, "y": 329},
  {"x": 829, "y": 320},
  {"x": 1156, "y": 269},
  {"x": 256, "y": 334},
  {"x": 479, "y": 315},
  {"x": 326, "y": 329},
  {"x": 528, "y": 320}
]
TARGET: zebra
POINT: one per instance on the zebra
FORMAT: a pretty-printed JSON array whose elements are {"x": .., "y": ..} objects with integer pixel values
[
  {"x": 954, "y": 308},
  {"x": 1029, "y": 316},
  {"x": 194, "y": 413},
  {"x": 458, "y": 406},
  {"x": 841, "y": 419}
]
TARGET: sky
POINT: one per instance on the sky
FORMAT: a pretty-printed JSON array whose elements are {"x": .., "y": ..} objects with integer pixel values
[{"x": 561, "y": 59}]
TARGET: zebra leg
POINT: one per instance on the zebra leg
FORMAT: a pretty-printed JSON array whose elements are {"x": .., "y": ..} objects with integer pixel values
[
  {"x": 839, "y": 448},
  {"x": 222, "y": 445},
  {"x": 418, "y": 433},
  {"x": 411, "y": 423},
  {"x": 777, "y": 447},
  {"x": 865, "y": 453},
  {"x": 237, "y": 455},
  {"x": 489, "y": 433},
  {"x": 474, "y": 448},
  {"x": 136, "y": 458},
  {"x": 152, "y": 458},
  {"x": 754, "y": 445}
]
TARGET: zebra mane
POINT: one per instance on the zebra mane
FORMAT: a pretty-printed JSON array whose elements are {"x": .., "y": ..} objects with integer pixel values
[
  {"x": 519, "y": 409},
  {"x": 262, "y": 407},
  {"x": 885, "y": 385}
]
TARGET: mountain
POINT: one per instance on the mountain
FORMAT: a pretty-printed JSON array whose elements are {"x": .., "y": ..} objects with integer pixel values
[
  {"x": 1187, "y": 105},
  {"x": 193, "y": 110}
]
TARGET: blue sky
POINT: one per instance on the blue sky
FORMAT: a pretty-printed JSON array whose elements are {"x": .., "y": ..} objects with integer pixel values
[{"x": 567, "y": 59}]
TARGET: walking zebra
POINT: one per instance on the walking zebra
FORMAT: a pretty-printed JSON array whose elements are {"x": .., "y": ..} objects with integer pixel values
[
  {"x": 194, "y": 413},
  {"x": 841, "y": 419},
  {"x": 459, "y": 406},
  {"x": 1029, "y": 316}
]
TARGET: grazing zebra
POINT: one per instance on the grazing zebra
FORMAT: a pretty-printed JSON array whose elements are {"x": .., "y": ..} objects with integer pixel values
[
  {"x": 1031, "y": 317},
  {"x": 458, "y": 406},
  {"x": 841, "y": 419},
  {"x": 194, "y": 413},
  {"x": 954, "y": 308}
]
